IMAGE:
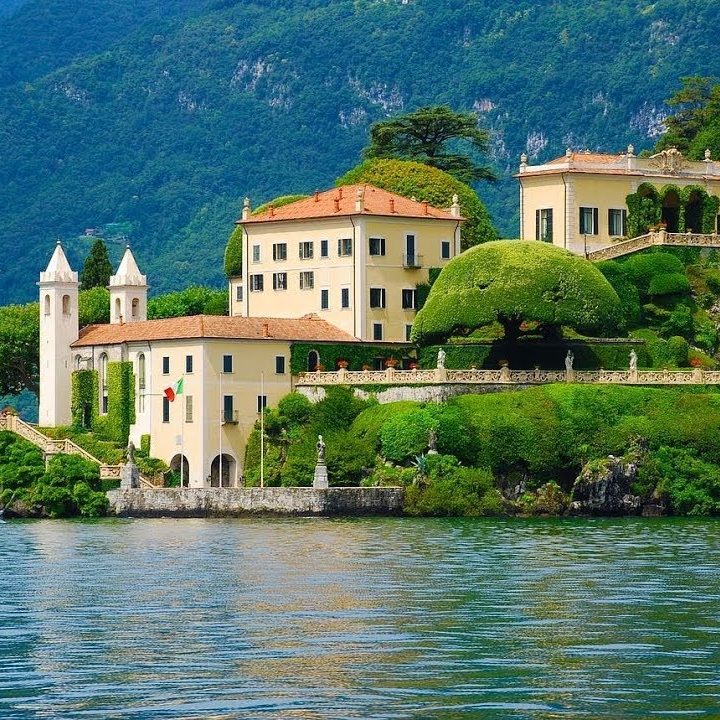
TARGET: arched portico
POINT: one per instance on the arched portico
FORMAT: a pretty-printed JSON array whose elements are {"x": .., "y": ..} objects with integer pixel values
[
  {"x": 175, "y": 467},
  {"x": 226, "y": 477}
]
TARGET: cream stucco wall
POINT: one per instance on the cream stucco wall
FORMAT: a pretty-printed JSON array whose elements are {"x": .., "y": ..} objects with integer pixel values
[{"x": 358, "y": 272}]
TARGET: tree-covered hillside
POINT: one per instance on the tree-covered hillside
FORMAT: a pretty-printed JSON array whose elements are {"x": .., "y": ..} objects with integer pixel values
[{"x": 162, "y": 116}]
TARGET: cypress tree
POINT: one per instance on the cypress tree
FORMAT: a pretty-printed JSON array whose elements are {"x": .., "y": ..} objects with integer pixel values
[{"x": 97, "y": 269}]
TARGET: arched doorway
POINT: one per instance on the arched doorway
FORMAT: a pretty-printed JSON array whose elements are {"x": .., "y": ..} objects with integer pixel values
[
  {"x": 228, "y": 471},
  {"x": 671, "y": 209},
  {"x": 175, "y": 467},
  {"x": 313, "y": 361},
  {"x": 694, "y": 211}
]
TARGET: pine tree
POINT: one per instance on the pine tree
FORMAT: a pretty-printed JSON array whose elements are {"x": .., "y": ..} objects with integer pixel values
[{"x": 97, "y": 269}]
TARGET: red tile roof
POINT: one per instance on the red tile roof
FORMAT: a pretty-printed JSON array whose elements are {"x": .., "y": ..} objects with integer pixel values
[
  {"x": 341, "y": 202},
  {"x": 307, "y": 328}
]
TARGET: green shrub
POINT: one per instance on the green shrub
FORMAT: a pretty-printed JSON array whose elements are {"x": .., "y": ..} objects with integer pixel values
[
  {"x": 233, "y": 253},
  {"x": 369, "y": 422},
  {"x": 405, "y": 435},
  {"x": 296, "y": 408},
  {"x": 680, "y": 322},
  {"x": 514, "y": 282},
  {"x": 627, "y": 292},
  {"x": 668, "y": 284},
  {"x": 641, "y": 268}
]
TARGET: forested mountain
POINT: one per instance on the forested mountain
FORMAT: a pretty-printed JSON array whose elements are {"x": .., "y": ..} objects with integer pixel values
[{"x": 156, "y": 118}]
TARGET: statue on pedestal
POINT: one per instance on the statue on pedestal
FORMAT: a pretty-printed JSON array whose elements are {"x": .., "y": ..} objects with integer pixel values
[
  {"x": 569, "y": 360},
  {"x": 320, "y": 446},
  {"x": 633, "y": 361},
  {"x": 320, "y": 480},
  {"x": 441, "y": 359}
]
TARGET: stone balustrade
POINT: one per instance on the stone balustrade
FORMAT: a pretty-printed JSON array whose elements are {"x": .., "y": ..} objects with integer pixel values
[
  {"x": 660, "y": 237},
  {"x": 440, "y": 376}
]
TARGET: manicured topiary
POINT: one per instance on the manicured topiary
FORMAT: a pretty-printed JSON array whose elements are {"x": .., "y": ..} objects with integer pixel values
[
  {"x": 643, "y": 267},
  {"x": 413, "y": 179},
  {"x": 514, "y": 282},
  {"x": 296, "y": 408},
  {"x": 233, "y": 253},
  {"x": 627, "y": 291}
]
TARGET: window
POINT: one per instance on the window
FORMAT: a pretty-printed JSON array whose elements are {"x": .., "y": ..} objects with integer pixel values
[
  {"x": 66, "y": 304},
  {"x": 279, "y": 251},
  {"x": 141, "y": 371},
  {"x": 47, "y": 304},
  {"x": 306, "y": 250},
  {"x": 409, "y": 299},
  {"x": 445, "y": 250},
  {"x": 188, "y": 408},
  {"x": 377, "y": 331},
  {"x": 544, "y": 225},
  {"x": 617, "y": 221},
  {"x": 324, "y": 299},
  {"x": 166, "y": 410},
  {"x": 188, "y": 363},
  {"x": 104, "y": 384},
  {"x": 256, "y": 253},
  {"x": 377, "y": 298},
  {"x": 166, "y": 365},
  {"x": 345, "y": 247},
  {"x": 279, "y": 364},
  {"x": 261, "y": 402},
  {"x": 377, "y": 246},
  {"x": 344, "y": 298},
  {"x": 256, "y": 283},
  {"x": 280, "y": 281},
  {"x": 134, "y": 307},
  {"x": 228, "y": 409},
  {"x": 588, "y": 221},
  {"x": 117, "y": 309},
  {"x": 324, "y": 252},
  {"x": 307, "y": 280},
  {"x": 238, "y": 293},
  {"x": 408, "y": 330},
  {"x": 227, "y": 363}
]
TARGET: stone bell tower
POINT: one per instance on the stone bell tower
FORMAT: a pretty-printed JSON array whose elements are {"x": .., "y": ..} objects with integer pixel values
[
  {"x": 58, "y": 330},
  {"x": 128, "y": 292}
]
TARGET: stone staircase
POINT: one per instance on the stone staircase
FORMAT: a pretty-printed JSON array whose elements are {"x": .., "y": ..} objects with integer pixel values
[
  {"x": 51, "y": 447},
  {"x": 652, "y": 239}
]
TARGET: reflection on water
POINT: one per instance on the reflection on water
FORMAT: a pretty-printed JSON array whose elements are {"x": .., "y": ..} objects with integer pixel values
[{"x": 381, "y": 618}]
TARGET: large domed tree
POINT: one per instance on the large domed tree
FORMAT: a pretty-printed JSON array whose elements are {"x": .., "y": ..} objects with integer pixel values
[
  {"x": 514, "y": 282},
  {"x": 413, "y": 179}
]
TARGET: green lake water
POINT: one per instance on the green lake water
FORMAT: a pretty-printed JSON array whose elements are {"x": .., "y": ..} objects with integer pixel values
[{"x": 366, "y": 618}]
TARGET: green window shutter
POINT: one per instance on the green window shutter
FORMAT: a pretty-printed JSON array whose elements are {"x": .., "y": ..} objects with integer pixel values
[
  {"x": 537, "y": 225},
  {"x": 595, "y": 221},
  {"x": 624, "y": 223},
  {"x": 549, "y": 225}
]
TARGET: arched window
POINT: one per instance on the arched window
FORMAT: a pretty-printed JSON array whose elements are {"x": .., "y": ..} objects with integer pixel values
[
  {"x": 66, "y": 304},
  {"x": 313, "y": 361},
  {"x": 47, "y": 304},
  {"x": 117, "y": 308},
  {"x": 135, "y": 306},
  {"x": 78, "y": 362},
  {"x": 103, "y": 384},
  {"x": 141, "y": 371}
]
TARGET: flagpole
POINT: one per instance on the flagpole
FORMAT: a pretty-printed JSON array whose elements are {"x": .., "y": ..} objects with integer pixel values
[
  {"x": 222, "y": 411},
  {"x": 182, "y": 436},
  {"x": 262, "y": 429}
]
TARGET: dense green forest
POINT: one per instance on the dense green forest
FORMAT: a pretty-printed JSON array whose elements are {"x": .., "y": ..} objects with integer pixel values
[{"x": 152, "y": 120}]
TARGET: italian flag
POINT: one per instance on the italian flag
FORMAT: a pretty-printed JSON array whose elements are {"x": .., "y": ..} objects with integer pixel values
[{"x": 175, "y": 389}]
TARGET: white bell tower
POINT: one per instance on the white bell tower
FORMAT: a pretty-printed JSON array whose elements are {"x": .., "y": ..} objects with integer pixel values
[
  {"x": 128, "y": 292},
  {"x": 58, "y": 330}
]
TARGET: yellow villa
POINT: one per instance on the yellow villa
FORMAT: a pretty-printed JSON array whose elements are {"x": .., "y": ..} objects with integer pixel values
[
  {"x": 585, "y": 201},
  {"x": 337, "y": 270},
  {"x": 354, "y": 255}
]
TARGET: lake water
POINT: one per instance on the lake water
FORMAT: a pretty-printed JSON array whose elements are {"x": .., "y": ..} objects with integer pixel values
[{"x": 371, "y": 618}]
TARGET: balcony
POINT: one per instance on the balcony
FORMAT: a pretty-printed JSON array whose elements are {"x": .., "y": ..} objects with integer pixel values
[
  {"x": 412, "y": 261},
  {"x": 230, "y": 417}
]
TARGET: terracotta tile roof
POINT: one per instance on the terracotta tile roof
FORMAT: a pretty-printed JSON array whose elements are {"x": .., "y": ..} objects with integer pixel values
[
  {"x": 307, "y": 328},
  {"x": 341, "y": 202}
]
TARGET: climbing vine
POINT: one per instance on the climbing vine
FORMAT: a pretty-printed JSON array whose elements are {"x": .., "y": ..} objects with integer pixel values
[
  {"x": 84, "y": 398},
  {"x": 121, "y": 401},
  {"x": 644, "y": 209}
]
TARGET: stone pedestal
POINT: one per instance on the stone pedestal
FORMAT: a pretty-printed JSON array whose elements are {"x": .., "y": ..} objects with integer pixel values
[
  {"x": 321, "y": 476},
  {"x": 129, "y": 477}
]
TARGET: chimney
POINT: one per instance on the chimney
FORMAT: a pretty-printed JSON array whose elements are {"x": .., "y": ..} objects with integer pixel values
[
  {"x": 317, "y": 196},
  {"x": 392, "y": 205},
  {"x": 337, "y": 205},
  {"x": 271, "y": 209},
  {"x": 425, "y": 207},
  {"x": 455, "y": 207},
  {"x": 359, "y": 203},
  {"x": 523, "y": 162},
  {"x": 246, "y": 208},
  {"x": 340, "y": 193},
  {"x": 266, "y": 330}
]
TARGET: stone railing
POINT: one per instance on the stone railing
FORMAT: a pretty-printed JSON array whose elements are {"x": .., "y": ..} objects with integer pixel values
[
  {"x": 51, "y": 446},
  {"x": 505, "y": 376},
  {"x": 661, "y": 237}
]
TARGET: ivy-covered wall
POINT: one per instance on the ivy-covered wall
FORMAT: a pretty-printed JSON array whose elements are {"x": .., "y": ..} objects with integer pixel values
[
  {"x": 357, "y": 355},
  {"x": 84, "y": 398},
  {"x": 121, "y": 400},
  {"x": 85, "y": 405}
]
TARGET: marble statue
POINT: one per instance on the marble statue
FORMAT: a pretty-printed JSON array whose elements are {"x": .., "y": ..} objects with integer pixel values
[
  {"x": 569, "y": 360},
  {"x": 320, "y": 445},
  {"x": 441, "y": 359},
  {"x": 633, "y": 361}
]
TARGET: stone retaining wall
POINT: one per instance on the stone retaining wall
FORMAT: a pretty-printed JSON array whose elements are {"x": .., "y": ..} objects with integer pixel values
[{"x": 236, "y": 502}]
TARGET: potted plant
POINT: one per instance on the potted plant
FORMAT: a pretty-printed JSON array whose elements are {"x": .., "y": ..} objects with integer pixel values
[
  {"x": 391, "y": 362},
  {"x": 343, "y": 364}
]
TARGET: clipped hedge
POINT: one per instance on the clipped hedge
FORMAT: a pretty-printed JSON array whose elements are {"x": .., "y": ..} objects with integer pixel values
[
  {"x": 121, "y": 401},
  {"x": 357, "y": 354},
  {"x": 512, "y": 282}
]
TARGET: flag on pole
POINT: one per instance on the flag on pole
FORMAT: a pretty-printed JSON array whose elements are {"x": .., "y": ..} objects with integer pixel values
[{"x": 174, "y": 390}]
